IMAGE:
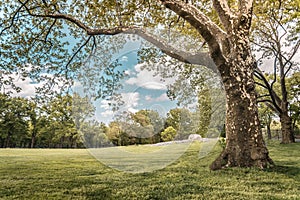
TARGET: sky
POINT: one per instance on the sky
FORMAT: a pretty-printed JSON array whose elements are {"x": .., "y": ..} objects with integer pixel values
[{"x": 141, "y": 89}]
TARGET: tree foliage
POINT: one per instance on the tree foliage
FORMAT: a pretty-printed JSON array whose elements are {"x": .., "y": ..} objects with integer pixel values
[
  {"x": 26, "y": 123},
  {"x": 168, "y": 134}
]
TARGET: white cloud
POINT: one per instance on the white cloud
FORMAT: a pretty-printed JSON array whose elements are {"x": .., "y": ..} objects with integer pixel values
[
  {"x": 148, "y": 98},
  {"x": 131, "y": 101},
  {"x": 107, "y": 113},
  {"x": 28, "y": 88},
  {"x": 127, "y": 72},
  {"x": 26, "y": 84},
  {"x": 162, "y": 97},
  {"x": 124, "y": 59},
  {"x": 105, "y": 104},
  {"x": 147, "y": 79}
]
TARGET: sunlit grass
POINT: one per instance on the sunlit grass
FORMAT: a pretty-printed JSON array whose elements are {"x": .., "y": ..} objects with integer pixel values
[{"x": 75, "y": 174}]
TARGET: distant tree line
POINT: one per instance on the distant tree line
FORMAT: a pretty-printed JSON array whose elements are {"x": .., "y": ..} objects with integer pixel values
[
  {"x": 25, "y": 123},
  {"x": 66, "y": 122}
]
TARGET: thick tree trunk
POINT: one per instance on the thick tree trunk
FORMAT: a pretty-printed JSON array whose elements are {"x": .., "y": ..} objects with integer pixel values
[
  {"x": 286, "y": 129},
  {"x": 245, "y": 146}
]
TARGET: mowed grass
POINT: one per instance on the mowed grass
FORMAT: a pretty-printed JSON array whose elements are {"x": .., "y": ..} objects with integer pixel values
[{"x": 75, "y": 174}]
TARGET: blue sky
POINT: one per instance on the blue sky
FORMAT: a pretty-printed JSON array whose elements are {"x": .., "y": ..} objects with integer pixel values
[{"x": 141, "y": 89}]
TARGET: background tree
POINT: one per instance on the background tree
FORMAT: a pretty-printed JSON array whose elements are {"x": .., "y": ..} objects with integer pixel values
[
  {"x": 293, "y": 83},
  {"x": 40, "y": 25},
  {"x": 113, "y": 133},
  {"x": 60, "y": 126},
  {"x": 168, "y": 134},
  {"x": 279, "y": 40},
  {"x": 266, "y": 116},
  {"x": 95, "y": 134},
  {"x": 204, "y": 111},
  {"x": 34, "y": 122},
  {"x": 13, "y": 124},
  {"x": 182, "y": 121}
]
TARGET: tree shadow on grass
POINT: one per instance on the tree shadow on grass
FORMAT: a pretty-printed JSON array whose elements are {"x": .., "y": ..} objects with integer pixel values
[{"x": 290, "y": 171}]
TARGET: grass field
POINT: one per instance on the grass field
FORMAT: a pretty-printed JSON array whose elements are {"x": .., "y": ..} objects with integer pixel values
[{"x": 75, "y": 174}]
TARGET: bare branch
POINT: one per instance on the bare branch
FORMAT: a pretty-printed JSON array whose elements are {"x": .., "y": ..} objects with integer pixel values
[
  {"x": 49, "y": 30},
  {"x": 13, "y": 17},
  {"x": 274, "y": 71},
  {"x": 262, "y": 96},
  {"x": 292, "y": 54},
  {"x": 208, "y": 29},
  {"x": 200, "y": 58},
  {"x": 269, "y": 104},
  {"x": 275, "y": 99},
  {"x": 78, "y": 50},
  {"x": 261, "y": 85}
]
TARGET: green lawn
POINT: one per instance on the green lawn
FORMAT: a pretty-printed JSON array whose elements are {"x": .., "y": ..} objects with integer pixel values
[{"x": 75, "y": 174}]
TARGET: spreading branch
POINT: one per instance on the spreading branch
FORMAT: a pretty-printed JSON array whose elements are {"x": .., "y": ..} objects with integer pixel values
[{"x": 201, "y": 58}]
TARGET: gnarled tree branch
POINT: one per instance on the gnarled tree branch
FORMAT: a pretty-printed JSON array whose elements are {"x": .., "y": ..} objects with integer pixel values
[{"x": 212, "y": 34}]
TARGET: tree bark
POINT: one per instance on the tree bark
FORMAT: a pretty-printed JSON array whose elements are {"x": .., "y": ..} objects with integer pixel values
[
  {"x": 231, "y": 52},
  {"x": 286, "y": 129},
  {"x": 245, "y": 146}
]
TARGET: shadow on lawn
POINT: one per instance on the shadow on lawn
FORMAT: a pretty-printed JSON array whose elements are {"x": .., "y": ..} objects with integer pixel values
[{"x": 291, "y": 171}]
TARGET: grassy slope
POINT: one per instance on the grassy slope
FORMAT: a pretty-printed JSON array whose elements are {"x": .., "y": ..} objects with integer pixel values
[{"x": 75, "y": 174}]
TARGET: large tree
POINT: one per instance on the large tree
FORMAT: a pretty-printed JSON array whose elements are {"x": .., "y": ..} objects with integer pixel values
[
  {"x": 279, "y": 41},
  {"x": 39, "y": 25}
]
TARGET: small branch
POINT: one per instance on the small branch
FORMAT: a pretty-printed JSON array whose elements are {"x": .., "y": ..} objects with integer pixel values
[
  {"x": 13, "y": 18},
  {"x": 49, "y": 30},
  {"x": 270, "y": 105},
  {"x": 276, "y": 101},
  {"x": 274, "y": 71},
  {"x": 78, "y": 50},
  {"x": 262, "y": 96},
  {"x": 264, "y": 100},
  {"x": 260, "y": 84},
  {"x": 288, "y": 60}
]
